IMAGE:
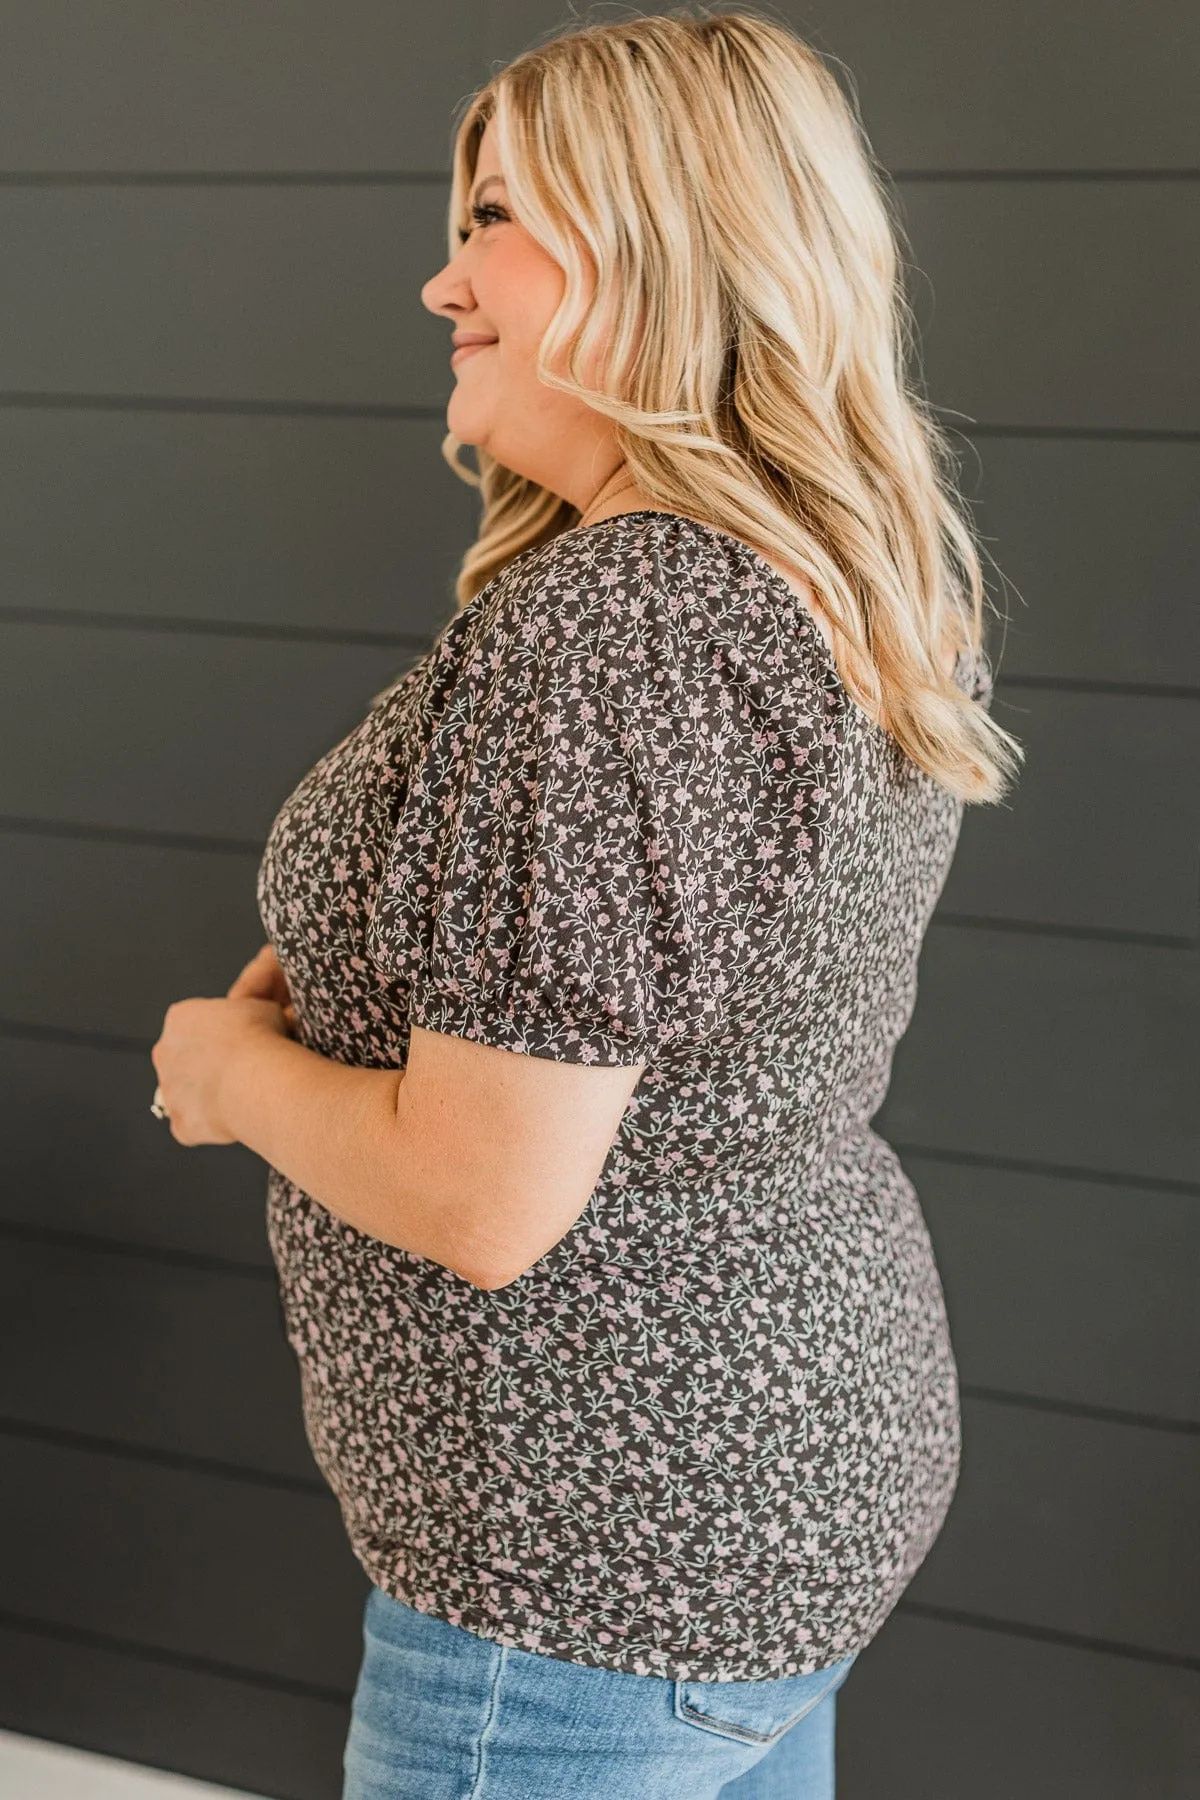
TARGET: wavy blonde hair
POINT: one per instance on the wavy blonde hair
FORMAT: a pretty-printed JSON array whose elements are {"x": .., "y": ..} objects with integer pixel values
[{"x": 703, "y": 182}]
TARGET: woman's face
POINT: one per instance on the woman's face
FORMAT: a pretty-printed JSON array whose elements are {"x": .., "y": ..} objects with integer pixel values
[{"x": 503, "y": 287}]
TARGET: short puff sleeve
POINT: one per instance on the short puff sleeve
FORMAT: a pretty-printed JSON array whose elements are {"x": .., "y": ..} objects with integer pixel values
[{"x": 559, "y": 883}]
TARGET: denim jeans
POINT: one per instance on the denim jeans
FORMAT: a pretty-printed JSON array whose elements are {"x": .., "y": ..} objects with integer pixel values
[{"x": 440, "y": 1714}]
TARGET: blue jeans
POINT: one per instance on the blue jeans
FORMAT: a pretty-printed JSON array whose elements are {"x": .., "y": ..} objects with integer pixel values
[{"x": 440, "y": 1714}]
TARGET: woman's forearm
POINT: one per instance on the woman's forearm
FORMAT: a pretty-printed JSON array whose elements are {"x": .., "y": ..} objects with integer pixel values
[{"x": 334, "y": 1131}]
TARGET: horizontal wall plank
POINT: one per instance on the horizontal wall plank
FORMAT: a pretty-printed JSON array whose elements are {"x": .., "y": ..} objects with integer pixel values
[
  {"x": 134, "y": 87},
  {"x": 936, "y": 1711},
  {"x": 356, "y": 525},
  {"x": 1072, "y": 1292},
  {"x": 132, "y": 928},
  {"x": 1069, "y": 1290},
  {"x": 996, "y": 95},
  {"x": 919, "y": 1717},
  {"x": 335, "y": 524},
  {"x": 202, "y": 1565},
  {"x": 242, "y": 294},
  {"x": 1117, "y": 264},
  {"x": 1042, "y": 1048},
  {"x": 1066, "y": 1525},
  {"x": 1098, "y": 543},
  {"x": 82, "y": 1153},
  {"x": 123, "y": 88},
  {"x": 1098, "y": 1278},
  {"x": 258, "y": 293},
  {"x": 1072, "y": 1525},
  {"x": 194, "y": 1722},
  {"x": 1102, "y": 830},
  {"x": 185, "y": 1360},
  {"x": 169, "y": 732},
  {"x": 1051, "y": 1050}
]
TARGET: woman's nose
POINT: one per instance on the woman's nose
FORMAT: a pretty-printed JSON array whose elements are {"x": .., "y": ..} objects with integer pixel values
[{"x": 437, "y": 291}]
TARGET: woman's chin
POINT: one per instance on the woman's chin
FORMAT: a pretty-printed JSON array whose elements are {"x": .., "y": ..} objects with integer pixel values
[{"x": 464, "y": 421}]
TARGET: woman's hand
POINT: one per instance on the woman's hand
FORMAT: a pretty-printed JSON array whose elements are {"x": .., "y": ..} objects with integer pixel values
[
  {"x": 201, "y": 1039},
  {"x": 263, "y": 979}
]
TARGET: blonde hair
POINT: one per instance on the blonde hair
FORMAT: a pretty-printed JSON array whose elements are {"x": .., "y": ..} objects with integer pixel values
[{"x": 731, "y": 261}]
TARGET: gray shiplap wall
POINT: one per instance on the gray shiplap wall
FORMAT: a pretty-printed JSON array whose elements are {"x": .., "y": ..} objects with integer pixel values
[{"x": 226, "y": 524}]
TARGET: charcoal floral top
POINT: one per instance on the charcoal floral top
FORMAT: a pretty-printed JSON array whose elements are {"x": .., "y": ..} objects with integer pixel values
[{"x": 624, "y": 811}]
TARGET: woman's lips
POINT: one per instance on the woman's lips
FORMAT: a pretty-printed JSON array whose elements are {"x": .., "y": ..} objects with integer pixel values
[{"x": 465, "y": 350}]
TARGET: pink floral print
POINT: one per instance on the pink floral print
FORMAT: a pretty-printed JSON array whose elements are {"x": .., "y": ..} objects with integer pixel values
[{"x": 624, "y": 810}]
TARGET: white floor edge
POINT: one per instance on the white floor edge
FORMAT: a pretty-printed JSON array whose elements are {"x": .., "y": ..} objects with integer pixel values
[{"x": 32, "y": 1769}]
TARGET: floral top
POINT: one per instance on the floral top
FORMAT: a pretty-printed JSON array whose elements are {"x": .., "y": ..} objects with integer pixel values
[{"x": 625, "y": 810}]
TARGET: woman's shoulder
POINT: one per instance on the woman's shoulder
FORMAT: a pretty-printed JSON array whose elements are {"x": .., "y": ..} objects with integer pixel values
[
  {"x": 647, "y": 589},
  {"x": 644, "y": 643}
]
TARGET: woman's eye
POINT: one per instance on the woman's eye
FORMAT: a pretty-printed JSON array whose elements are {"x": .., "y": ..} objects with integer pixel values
[{"x": 482, "y": 215}]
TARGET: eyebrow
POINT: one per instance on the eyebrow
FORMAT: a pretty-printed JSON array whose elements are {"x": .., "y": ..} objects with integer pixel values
[{"x": 486, "y": 182}]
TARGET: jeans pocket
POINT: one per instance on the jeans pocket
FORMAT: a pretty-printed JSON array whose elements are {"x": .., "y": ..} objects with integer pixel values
[{"x": 756, "y": 1712}]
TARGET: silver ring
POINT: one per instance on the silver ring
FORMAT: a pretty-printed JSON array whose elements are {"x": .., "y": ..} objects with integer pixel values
[{"x": 157, "y": 1107}]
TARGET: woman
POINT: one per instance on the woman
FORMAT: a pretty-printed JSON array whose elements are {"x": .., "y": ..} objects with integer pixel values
[{"x": 621, "y": 1339}]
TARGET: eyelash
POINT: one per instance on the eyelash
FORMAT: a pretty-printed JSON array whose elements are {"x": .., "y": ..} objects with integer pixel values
[{"x": 481, "y": 216}]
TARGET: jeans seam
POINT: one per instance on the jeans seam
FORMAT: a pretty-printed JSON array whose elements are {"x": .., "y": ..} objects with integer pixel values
[{"x": 493, "y": 1712}]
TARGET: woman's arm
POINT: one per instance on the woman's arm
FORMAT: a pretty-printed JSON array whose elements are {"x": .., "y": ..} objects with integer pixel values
[
  {"x": 333, "y": 1130},
  {"x": 475, "y": 1157},
  {"x": 230, "y": 1073}
]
